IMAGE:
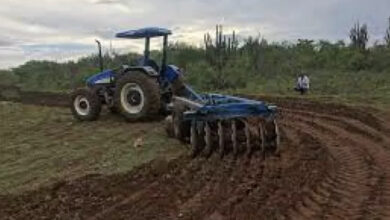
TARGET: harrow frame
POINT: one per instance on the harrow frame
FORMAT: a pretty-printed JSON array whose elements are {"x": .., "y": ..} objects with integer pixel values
[
  {"x": 220, "y": 107},
  {"x": 214, "y": 119}
]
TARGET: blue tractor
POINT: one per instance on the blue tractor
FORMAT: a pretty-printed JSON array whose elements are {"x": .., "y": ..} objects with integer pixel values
[{"x": 208, "y": 122}]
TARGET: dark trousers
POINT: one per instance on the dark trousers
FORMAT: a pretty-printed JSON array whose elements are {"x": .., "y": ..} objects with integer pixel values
[{"x": 301, "y": 90}]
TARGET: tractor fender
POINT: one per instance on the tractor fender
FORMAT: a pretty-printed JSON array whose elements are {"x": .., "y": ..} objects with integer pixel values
[{"x": 144, "y": 69}]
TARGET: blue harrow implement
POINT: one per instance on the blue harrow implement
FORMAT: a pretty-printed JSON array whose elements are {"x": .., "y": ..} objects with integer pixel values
[
  {"x": 222, "y": 123},
  {"x": 209, "y": 122}
]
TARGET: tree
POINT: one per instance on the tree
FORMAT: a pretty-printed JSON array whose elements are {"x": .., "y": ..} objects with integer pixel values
[
  {"x": 220, "y": 56},
  {"x": 387, "y": 36},
  {"x": 359, "y": 36},
  {"x": 254, "y": 47}
]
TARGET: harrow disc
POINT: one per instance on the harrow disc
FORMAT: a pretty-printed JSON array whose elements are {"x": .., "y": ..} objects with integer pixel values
[
  {"x": 196, "y": 138},
  {"x": 241, "y": 135},
  {"x": 207, "y": 140},
  {"x": 169, "y": 126},
  {"x": 248, "y": 137},
  {"x": 244, "y": 135},
  {"x": 234, "y": 138},
  {"x": 221, "y": 139},
  {"x": 276, "y": 137},
  {"x": 261, "y": 137}
]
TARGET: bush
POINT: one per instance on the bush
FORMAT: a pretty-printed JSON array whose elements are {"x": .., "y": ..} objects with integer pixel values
[
  {"x": 255, "y": 66},
  {"x": 8, "y": 78}
]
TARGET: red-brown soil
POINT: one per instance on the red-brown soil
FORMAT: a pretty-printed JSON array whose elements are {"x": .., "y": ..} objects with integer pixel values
[{"x": 335, "y": 164}]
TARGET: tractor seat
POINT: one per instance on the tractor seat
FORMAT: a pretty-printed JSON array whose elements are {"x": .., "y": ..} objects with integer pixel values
[
  {"x": 149, "y": 62},
  {"x": 152, "y": 64}
]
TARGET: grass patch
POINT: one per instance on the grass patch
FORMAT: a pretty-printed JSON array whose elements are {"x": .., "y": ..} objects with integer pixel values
[{"x": 42, "y": 145}]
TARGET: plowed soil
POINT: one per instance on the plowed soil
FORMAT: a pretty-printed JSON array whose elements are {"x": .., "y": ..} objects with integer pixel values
[{"x": 335, "y": 164}]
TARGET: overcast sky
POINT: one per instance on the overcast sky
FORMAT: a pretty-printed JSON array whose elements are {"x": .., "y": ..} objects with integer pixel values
[{"x": 66, "y": 29}]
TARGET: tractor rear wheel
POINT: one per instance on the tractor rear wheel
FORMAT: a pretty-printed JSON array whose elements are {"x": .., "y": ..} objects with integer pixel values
[
  {"x": 137, "y": 96},
  {"x": 85, "y": 104}
]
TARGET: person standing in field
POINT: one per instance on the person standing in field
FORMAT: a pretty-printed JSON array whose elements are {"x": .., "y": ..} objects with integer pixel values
[{"x": 303, "y": 84}]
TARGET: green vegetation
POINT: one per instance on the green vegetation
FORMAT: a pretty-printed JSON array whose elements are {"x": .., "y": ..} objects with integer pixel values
[
  {"x": 42, "y": 145},
  {"x": 248, "y": 65},
  {"x": 8, "y": 77}
]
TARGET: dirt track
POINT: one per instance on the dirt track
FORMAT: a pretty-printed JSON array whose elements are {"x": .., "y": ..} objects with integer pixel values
[{"x": 335, "y": 164}]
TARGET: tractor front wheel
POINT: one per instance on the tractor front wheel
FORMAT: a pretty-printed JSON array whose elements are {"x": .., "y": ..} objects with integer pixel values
[
  {"x": 85, "y": 104},
  {"x": 137, "y": 96}
]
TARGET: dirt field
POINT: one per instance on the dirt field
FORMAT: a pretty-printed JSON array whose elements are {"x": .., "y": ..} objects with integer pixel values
[{"x": 335, "y": 164}]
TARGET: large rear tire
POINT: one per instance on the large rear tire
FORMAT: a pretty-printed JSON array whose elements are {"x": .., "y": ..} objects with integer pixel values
[
  {"x": 137, "y": 96},
  {"x": 85, "y": 104}
]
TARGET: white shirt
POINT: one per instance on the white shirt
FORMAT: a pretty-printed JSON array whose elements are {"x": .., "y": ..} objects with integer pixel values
[{"x": 303, "y": 82}]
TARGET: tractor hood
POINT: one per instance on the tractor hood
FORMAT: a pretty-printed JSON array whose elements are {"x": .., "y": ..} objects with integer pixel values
[{"x": 101, "y": 78}]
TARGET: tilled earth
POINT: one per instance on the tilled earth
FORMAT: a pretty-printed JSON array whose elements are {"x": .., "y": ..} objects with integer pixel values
[{"x": 335, "y": 164}]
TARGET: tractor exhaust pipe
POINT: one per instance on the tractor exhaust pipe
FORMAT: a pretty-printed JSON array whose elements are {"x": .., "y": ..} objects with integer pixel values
[{"x": 100, "y": 56}]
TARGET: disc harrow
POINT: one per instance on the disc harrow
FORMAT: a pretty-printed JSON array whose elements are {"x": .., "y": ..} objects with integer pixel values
[{"x": 222, "y": 124}]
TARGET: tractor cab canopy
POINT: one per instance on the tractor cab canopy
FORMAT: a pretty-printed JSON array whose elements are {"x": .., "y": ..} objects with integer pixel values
[
  {"x": 144, "y": 33},
  {"x": 148, "y": 33}
]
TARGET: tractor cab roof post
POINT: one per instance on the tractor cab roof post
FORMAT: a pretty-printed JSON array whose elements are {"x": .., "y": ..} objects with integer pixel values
[
  {"x": 164, "y": 55},
  {"x": 147, "y": 50}
]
